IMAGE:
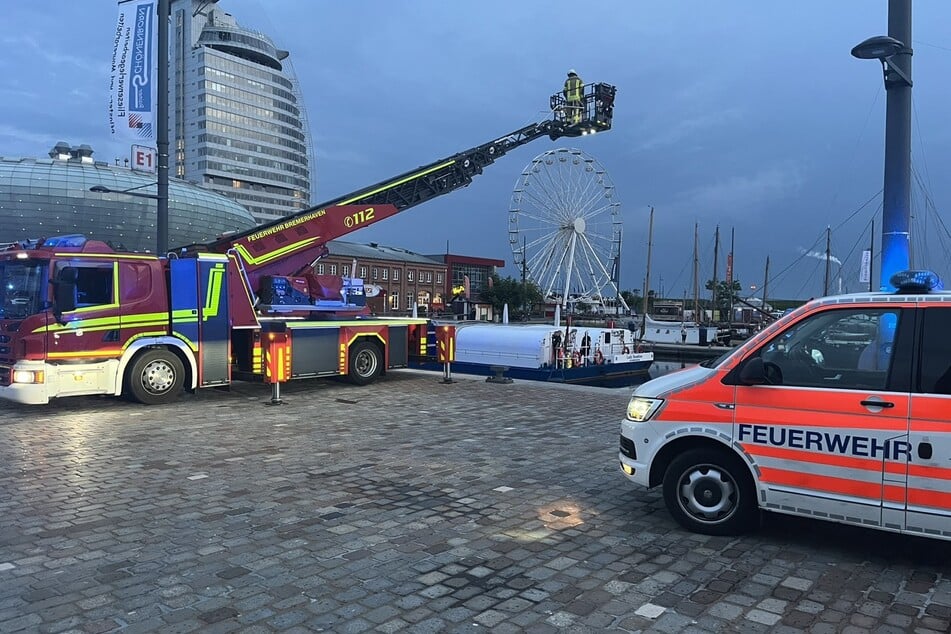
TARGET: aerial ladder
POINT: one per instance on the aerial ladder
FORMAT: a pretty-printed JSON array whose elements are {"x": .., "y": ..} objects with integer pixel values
[{"x": 277, "y": 258}]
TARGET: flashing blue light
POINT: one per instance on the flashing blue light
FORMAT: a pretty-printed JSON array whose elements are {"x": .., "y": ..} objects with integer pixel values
[
  {"x": 75, "y": 240},
  {"x": 916, "y": 282}
]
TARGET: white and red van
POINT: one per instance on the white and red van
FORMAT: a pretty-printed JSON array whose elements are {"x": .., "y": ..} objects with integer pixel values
[{"x": 841, "y": 410}]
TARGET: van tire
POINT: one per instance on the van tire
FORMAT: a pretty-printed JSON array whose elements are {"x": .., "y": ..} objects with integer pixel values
[
  {"x": 366, "y": 363},
  {"x": 156, "y": 377},
  {"x": 710, "y": 491}
]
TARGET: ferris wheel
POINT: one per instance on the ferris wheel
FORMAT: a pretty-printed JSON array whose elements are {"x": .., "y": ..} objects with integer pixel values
[{"x": 565, "y": 228}]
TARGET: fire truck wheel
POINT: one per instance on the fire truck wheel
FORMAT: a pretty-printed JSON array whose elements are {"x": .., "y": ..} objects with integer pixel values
[
  {"x": 156, "y": 377},
  {"x": 710, "y": 491},
  {"x": 366, "y": 362}
]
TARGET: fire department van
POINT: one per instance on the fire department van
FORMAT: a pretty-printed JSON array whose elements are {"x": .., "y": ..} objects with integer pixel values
[{"x": 841, "y": 410}]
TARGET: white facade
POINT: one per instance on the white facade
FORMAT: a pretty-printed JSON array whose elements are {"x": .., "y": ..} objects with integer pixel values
[{"x": 237, "y": 123}]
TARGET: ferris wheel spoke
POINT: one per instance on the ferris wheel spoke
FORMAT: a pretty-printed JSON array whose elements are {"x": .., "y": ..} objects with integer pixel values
[
  {"x": 549, "y": 198},
  {"x": 545, "y": 247},
  {"x": 543, "y": 213},
  {"x": 558, "y": 186},
  {"x": 598, "y": 271},
  {"x": 548, "y": 255},
  {"x": 592, "y": 203},
  {"x": 536, "y": 244},
  {"x": 543, "y": 198}
]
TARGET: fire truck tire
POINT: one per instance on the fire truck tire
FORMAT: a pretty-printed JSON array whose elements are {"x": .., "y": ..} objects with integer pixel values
[
  {"x": 366, "y": 363},
  {"x": 156, "y": 377},
  {"x": 710, "y": 491}
]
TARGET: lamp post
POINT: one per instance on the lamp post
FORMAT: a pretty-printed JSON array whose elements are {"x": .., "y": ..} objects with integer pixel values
[
  {"x": 161, "y": 130},
  {"x": 895, "y": 55}
]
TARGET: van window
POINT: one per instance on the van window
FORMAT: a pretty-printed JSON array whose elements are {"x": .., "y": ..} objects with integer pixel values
[
  {"x": 935, "y": 374},
  {"x": 840, "y": 349}
]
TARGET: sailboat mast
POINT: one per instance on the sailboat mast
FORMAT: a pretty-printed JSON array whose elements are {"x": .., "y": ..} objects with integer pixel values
[
  {"x": 716, "y": 257},
  {"x": 696, "y": 272},
  {"x": 729, "y": 271},
  {"x": 825, "y": 289},
  {"x": 765, "y": 282},
  {"x": 647, "y": 275}
]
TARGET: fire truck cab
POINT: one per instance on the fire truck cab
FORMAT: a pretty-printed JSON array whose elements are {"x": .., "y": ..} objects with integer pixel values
[{"x": 841, "y": 411}]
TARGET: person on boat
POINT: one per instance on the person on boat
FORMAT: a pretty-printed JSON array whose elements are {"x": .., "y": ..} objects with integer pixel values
[
  {"x": 574, "y": 97},
  {"x": 585, "y": 346}
]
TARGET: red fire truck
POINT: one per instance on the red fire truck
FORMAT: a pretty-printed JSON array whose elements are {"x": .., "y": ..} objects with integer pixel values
[{"x": 77, "y": 318}]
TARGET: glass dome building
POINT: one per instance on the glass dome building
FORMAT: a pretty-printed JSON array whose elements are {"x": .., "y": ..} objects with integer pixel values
[{"x": 41, "y": 197}]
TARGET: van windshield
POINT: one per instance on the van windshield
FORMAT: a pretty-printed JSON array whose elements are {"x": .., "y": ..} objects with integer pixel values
[{"x": 22, "y": 288}]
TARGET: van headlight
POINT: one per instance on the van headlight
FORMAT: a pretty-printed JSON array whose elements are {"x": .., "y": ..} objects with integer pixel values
[{"x": 640, "y": 409}]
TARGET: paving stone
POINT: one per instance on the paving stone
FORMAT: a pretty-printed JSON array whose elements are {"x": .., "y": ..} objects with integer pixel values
[{"x": 303, "y": 523}]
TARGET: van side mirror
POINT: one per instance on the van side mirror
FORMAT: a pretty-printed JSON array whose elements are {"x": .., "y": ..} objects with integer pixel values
[{"x": 753, "y": 372}]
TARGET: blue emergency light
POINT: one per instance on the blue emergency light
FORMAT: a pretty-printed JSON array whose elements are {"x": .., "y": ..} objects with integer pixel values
[
  {"x": 70, "y": 241},
  {"x": 916, "y": 282}
]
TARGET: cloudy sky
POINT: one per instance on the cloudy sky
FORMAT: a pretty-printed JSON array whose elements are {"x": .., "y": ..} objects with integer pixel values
[{"x": 746, "y": 114}]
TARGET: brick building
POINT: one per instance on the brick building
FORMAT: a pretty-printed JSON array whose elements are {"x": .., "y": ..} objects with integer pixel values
[{"x": 404, "y": 277}]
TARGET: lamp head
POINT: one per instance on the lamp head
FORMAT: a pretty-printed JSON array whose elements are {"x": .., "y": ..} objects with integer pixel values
[{"x": 879, "y": 47}]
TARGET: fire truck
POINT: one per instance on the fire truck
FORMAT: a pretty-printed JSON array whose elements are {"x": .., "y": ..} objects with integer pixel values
[{"x": 78, "y": 318}]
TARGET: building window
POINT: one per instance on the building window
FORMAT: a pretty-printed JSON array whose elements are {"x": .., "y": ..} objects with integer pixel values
[
  {"x": 375, "y": 273},
  {"x": 396, "y": 275},
  {"x": 363, "y": 272},
  {"x": 409, "y": 301},
  {"x": 394, "y": 301},
  {"x": 429, "y": 277},
  {"x": 346, "y": 270},
  {"x": 385, "y": 272},
  {"x": 333, "y": 269},
  {"x": 409, "y": 276},
  {"x": 439, "y": 278},
  {"x": 320, "y": 269}
]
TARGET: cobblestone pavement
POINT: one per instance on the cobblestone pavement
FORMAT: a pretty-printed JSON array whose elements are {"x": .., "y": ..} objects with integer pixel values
[{"x": 407, "y": 506}]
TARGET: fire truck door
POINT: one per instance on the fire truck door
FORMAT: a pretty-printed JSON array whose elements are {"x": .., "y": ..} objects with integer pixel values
[
  {"x": 929, "y": 472},
  {"x": 213, "y": 320},
  {"x": 199, "y": 299},
  {"x": 91, "y": 330}
]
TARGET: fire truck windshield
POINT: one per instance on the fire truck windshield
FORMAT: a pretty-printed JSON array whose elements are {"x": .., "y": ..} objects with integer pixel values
[{"x": 21, "y": 288}]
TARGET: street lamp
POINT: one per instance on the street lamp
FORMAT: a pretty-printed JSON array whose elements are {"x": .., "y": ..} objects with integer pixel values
[
  {"x": 894, "y": 54},
  {"x": 102, "y": 189},
  {"x": 162, "y": 234}
]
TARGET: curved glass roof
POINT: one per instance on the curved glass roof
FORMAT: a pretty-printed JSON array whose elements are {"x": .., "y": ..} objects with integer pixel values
[{"x": 46, "y": 197}]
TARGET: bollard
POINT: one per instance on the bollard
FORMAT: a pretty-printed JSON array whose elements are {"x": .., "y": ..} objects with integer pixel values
[
  {"x": 446, "y": 373},
  {"x": 275, "y": 394},
  {"x": 499, "y": 375}
]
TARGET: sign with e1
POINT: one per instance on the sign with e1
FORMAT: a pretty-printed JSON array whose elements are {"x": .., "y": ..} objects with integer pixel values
[{"x": 144, "y": 159}]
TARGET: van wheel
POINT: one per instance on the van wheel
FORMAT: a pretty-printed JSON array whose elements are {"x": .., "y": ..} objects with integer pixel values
[
  {"x": 710, "y": 491},
  {"x": 156, "y": 377},
  {"x": 366, "y": 363}
]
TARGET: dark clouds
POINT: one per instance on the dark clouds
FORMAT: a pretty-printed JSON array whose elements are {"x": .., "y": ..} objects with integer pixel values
[{"x": 746, "y": 114}]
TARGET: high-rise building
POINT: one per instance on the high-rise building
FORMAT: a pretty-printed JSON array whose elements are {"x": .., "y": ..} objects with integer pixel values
[{"x": 237, "y": 121}]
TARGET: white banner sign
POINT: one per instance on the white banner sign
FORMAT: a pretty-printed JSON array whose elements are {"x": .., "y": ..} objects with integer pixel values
[
  {"x": 865, "y": 272},
  {"x": 134, "y": 71}
]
